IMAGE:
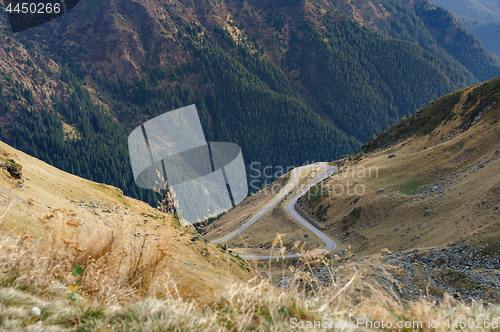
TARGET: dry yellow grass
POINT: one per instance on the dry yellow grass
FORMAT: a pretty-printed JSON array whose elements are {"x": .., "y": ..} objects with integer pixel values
[
  {"x": 94, "y": 273},
  {"x": 123, "y": 288},
  {"x": 468, "y": 208},
  {"x": 135, "y": 268},
  {"x": 102, "y": 264},
  {"x": 75, "y": 214}
]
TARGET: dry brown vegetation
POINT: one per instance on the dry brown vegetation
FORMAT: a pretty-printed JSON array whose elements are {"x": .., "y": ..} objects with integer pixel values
[
  {"x": 117, "y": 264},
  {"x": 96, "y": 274},
  {"x": 102, "y": 264},
  {"x": 68, "y": 214},
  {"x": 463, "y": 164},
  {"x": 103, "y": 284}
]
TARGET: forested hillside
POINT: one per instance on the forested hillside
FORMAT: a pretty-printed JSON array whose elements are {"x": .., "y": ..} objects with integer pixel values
[
  {"x": 487, "y": 32},
  {"x": 289, "y": 81},
  {"x": 484, "y": 10},
  {"x": 480, "y": 17}
]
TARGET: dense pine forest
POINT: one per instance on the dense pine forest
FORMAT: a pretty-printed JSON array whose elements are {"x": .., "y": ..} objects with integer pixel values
[{"x": 480, "y": 17}]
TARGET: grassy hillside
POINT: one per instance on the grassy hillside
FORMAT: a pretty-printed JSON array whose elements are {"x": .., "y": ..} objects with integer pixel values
[
  {"x": 429, "y": 180},
  {"x": 78, "y": 256},
  {"x": 425, "y": 193},
  {"x": 434, "y": 179},
  {"x": 94, "y": 228}
]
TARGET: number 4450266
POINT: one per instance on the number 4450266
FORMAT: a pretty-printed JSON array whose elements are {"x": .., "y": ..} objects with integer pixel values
[
  {"x": 472, "y": 323},
  {"x": 34, "y": 8}
]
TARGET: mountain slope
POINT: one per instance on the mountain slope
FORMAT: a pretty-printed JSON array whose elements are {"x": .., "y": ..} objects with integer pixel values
[
  {"x": 487, "y": 32},
  {"x": 48, "y": 203},
  {"x": 480, "y": 17},
  {"x": 424, "y": 195},
  {"x": 429, "y": 180},
  {"x": 483, "y": 10},
  {"x": 243, "y": 64}
]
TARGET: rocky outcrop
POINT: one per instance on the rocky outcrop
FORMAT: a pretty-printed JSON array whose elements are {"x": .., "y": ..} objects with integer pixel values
[{"x": 15, "y": 169}]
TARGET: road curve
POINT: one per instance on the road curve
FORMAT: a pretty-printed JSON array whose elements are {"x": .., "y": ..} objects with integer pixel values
[{"x": 289, "y": 208}]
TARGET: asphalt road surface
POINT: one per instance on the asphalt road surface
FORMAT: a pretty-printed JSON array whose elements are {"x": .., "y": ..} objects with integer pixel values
[{"x": 289, "y": 208}]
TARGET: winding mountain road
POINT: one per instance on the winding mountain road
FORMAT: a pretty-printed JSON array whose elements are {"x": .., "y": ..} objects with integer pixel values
[{"x": 289, "y": 208}]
